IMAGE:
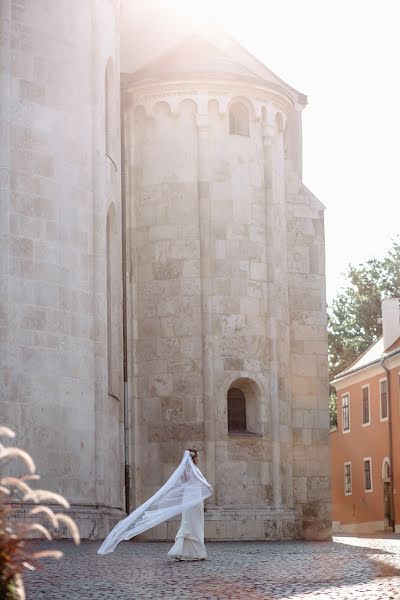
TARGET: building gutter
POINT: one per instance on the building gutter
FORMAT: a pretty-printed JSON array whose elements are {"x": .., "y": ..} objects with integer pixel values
[
  {"x": 377, "y": 361},
  {"x": 390, "y": 435},
  {"x": 124, "y": 321}
]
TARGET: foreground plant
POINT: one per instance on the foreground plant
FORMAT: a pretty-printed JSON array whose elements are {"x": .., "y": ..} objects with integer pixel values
[{"x": 16, "y": 553}]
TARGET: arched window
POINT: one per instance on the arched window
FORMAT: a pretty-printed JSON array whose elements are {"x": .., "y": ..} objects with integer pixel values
[
  {"x": 244, "y": 407},
  {"x": 236, "y": 410},
  {"x": 386, "y": 470},
  {"x": 113, "y": 304},
  {"x": 238, "y": 119}
]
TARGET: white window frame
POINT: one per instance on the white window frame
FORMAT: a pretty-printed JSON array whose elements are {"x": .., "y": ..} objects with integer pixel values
[
  {"x": 365, "y": 459},
  {"x": 347, "y": 394},
  {"x": 348, "y": 463},
  {"x": 380, "y": 400},
  {"x": 362, "y": 405}
]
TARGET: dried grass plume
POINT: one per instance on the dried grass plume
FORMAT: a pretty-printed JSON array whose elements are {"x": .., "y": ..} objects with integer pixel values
[{"x": 16, "y": 554}]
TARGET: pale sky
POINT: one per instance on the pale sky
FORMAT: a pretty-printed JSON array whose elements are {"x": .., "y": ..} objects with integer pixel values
[{"x": 345, "y": 55}]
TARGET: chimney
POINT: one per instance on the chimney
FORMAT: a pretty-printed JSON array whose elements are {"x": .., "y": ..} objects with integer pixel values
[{"x": 390, "y": 321}]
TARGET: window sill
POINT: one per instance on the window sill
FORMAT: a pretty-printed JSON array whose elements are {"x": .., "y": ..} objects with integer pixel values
[{"x": 244, "y": 434}]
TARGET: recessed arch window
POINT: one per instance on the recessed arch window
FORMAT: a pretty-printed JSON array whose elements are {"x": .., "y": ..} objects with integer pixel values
[
  {"x": 243, "y": 402},
  {"x": 238, "y": 119},
  {"x": 236, "y": 410}
]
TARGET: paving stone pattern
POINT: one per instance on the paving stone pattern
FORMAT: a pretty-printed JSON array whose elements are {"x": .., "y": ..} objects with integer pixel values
[{"x": 346, "y": 568}]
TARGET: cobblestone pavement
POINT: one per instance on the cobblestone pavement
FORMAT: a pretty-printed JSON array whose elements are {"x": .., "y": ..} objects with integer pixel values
[{"x": 348, "y": 567}]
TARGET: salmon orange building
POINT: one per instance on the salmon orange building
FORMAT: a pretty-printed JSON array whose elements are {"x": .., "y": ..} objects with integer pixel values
[{"x": 365, "y": 446}]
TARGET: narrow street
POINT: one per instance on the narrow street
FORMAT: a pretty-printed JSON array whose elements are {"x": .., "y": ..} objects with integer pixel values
[{"x": 346, "y": 568}]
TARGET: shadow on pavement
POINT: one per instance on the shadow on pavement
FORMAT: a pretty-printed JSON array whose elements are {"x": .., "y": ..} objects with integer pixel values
[{"x": 347, "y": 567}]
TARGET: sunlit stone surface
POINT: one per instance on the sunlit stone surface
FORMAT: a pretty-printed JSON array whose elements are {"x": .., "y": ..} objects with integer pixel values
[{"x": 225, "y": 285}]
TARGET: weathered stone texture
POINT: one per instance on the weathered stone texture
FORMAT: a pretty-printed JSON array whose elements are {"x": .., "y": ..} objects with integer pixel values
[
  {"x": 227, "y": 288},
  {"x": 55, "y": 190},
  {"x": 224, "y": 274},
  {"x": 309, "y": 360}
]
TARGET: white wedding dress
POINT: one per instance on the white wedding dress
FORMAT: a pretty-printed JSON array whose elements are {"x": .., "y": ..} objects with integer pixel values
[
  {"x": 189, "y": 541},
  {"x": 183, "y": 493}
]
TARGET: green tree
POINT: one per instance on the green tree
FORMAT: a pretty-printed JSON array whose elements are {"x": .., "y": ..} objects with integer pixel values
[
  {"x": 353, "y": 315},
  {"x": 333, "y": 409}
]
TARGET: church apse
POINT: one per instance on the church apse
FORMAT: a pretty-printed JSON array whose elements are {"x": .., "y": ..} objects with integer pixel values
[{"x": 214, "y": 180}]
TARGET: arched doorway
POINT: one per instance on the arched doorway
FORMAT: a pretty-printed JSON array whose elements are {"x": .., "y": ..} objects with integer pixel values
[{"x": 387, "y": 495}]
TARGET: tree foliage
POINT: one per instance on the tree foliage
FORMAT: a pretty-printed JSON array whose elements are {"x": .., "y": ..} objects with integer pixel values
[
  {"x": 333, "y": 409},
  {"x": 353, "y": 317}
]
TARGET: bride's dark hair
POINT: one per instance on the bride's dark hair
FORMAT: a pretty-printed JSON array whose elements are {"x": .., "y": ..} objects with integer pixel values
[{"x": 193, "y": 452}]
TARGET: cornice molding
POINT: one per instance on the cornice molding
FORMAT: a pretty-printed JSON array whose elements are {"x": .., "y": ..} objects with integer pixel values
[{"x": 147, "y": 94}]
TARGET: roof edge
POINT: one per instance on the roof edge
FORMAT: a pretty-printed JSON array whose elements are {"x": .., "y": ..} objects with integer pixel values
[
  {"x": 350, "y": 372},
  {"x": 295, "y": 95},
  {"x": 301, "y": 97},
  {"x": 360, "y": 356}
]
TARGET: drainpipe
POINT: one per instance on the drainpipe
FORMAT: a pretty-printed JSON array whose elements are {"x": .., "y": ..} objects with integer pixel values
[
  {"x": 125, "y": 355},
  {"x": 124, "y": 318},
  {"x": 390, "y": 439}
]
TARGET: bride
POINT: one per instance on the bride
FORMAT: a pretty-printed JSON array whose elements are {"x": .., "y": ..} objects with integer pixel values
[
  {"x": 184, "y": 492},
  {"x": 189, "y": 541}
]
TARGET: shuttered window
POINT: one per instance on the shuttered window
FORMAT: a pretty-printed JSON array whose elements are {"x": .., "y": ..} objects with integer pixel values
[
  {"x": 384, "y": 399},
  {"x": 236, "y": 410},
  {"x": 347, "y": 478},
  {"x": 346, "y": 413},
  {"x": 365, "y": 405},
  {"x": 367, "y": 475}
]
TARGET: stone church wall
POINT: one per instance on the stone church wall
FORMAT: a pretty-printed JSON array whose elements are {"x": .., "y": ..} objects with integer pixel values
[
  {"x": 167, "y": 349},
  {"x": 213, "y": 245},
  {"x": 224, "y": 277},
  {"x": 308, "y": 359},
  {"x": 56, "y": 185}
]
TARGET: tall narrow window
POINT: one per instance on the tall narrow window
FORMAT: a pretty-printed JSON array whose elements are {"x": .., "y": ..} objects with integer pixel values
[
  {"x": 346, "y": 413},
  {"x": 113, "y": 304},
  {"x": 383, "y": 399},
  {"x": 236, "y": 410},
  {"x": 238, "y": 119},
  {"x": 108, "y": 107},
  {"x": 367, "y": 475},
  {"x": 347, "y": 478},
  {"x": 365, "y": 405}
]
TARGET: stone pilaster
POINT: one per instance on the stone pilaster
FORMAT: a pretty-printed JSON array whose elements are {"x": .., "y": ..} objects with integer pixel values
[
  {"x": 206, "y": 297},
  {"x": 278, "y": 311},
  {"x": 6, "y": 407}
]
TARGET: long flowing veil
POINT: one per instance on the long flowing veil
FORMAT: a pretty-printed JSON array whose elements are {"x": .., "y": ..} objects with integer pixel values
[{"x": 184, "y": 489}]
